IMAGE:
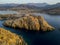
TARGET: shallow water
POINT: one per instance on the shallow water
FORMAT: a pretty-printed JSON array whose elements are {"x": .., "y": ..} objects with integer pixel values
[{"x": 41, "y": 38}]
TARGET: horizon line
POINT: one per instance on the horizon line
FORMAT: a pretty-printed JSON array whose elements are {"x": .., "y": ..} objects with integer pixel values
[{"x": 27, "y": 3}]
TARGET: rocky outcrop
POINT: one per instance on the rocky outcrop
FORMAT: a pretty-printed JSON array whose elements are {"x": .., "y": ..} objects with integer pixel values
[
  {"x": 8, "y": 38},
  {"x": 7, "y": 16},
  {"x": 12, "y": 16},
  {"x": 30, "y": 23}
]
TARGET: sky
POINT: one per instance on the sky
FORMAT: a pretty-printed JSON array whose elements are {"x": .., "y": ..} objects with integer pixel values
[{"x": 29, "y": 1}]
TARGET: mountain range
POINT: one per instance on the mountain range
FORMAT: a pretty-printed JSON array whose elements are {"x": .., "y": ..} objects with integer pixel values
[
  {"x": 43, "y": 6},
  {"x": 28, "y": 5}
]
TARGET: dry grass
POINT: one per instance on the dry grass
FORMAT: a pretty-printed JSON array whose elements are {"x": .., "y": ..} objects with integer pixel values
[
  {"x": 30, "y": 23},
  {"x": 8, "y": 38}
]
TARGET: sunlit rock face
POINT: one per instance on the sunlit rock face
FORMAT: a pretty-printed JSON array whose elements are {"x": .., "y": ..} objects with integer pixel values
[
  {"x": 12, "y": 16},
  {"x": 30, "y": 23},
  {"x": 8, "y": 38}
]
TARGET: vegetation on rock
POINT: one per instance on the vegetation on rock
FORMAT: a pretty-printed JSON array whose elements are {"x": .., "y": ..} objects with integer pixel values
[
  {"x": 8, "y": 38},
  {"x": 12, "y": 16},
  {"x": 30, "y": 23}
]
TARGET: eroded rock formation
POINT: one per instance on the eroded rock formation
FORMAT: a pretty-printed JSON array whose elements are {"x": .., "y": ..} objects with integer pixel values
[{"x": 30, "y": 23}]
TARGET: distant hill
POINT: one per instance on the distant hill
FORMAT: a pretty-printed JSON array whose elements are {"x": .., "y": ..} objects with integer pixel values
[
  {"x": 12, "y": 4},
  {"x": 52, "y": 9},
  {"x": 24, "y": 6},
  {"x": 49, "y": 7},
  {"x": 8, "y": 5},
  {"x": 28, "y": 5},
  {"x": 38, "y": 4}
]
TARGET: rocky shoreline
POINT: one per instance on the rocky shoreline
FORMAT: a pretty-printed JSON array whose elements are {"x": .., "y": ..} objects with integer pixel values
[{"x": 29, "y": 22}]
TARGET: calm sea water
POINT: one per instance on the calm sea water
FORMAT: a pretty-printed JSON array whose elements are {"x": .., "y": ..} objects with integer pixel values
[
  {"x": 8, "y": 12},
  {"x": 41, "y": 38}
]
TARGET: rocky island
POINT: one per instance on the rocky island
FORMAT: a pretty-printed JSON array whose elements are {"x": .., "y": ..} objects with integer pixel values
[
  {"x": 29, "y": 22},
  {"x": 8, "y": 38}
]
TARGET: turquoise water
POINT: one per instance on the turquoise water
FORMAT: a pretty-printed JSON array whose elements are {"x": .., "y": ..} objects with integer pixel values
[{"x": 40, "y": 38}]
